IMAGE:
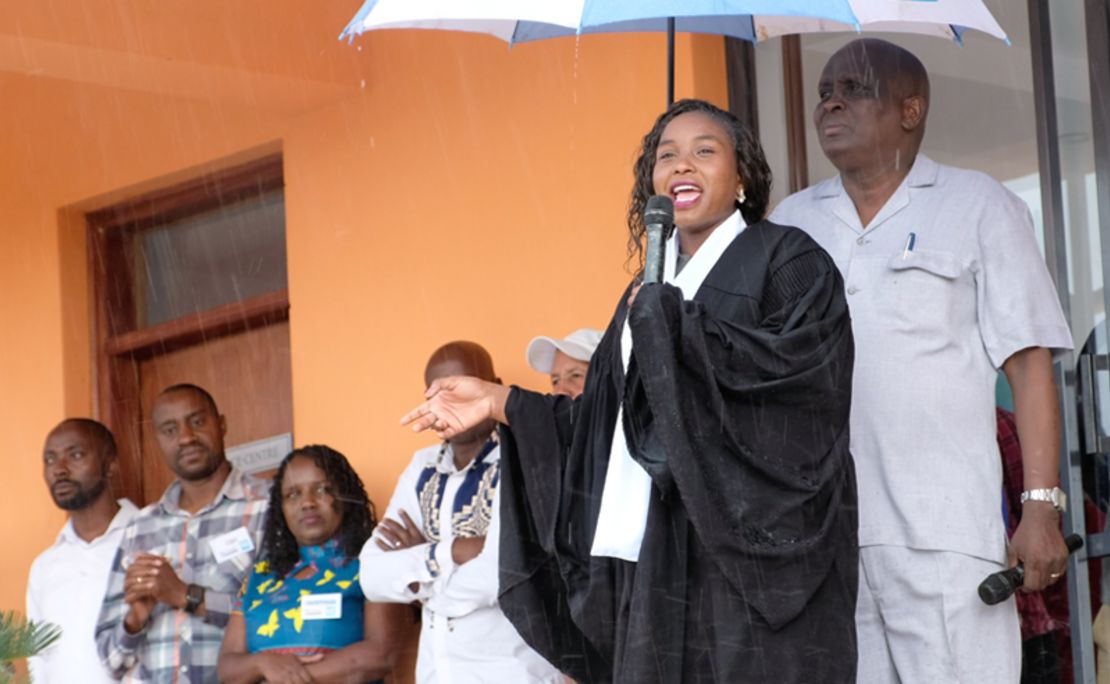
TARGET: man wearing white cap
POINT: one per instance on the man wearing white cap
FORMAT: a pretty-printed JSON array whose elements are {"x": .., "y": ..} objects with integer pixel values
[{"x": 566, "y": 360}]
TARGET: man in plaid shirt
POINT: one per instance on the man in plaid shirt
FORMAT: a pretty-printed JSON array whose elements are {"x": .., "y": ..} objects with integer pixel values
[{"x": 183, "y": 557}]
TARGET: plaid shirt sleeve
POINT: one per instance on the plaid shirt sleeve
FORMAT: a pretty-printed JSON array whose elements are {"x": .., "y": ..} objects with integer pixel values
[
  {"x": 174, "y": 646},
  {"x": 118, "y": 649}
]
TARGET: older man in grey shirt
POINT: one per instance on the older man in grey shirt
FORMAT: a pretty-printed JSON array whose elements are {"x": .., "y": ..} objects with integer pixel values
[{"x": 946, "y": 286}]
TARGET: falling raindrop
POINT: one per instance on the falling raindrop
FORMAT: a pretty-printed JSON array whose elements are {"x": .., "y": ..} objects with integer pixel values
[{"x": 574, "y": 80}]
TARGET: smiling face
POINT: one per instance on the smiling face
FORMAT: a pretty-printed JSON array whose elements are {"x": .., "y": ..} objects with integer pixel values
[
  {"x": 76, "y": 466},
  {"x": 568, "y": 375},
  {"x": 190, "y": 434},
  {"x": 308, "y": 502},
  {"x": 695, "y": 165}
]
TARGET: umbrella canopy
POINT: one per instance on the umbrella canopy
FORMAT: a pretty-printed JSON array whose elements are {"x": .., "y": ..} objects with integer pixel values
[
  {"x": 517, "y": 21},
  {"x": 522, "y": 20},
  {"x": 943, "y": 18},
  {"x": 499, "y": 18}
]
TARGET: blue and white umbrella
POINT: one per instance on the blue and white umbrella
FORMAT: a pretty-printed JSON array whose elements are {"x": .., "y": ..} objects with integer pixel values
[{"x": 516, "y": 21}]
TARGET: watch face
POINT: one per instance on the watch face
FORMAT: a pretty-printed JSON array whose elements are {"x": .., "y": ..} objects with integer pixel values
[{"x": 194, "y": 595}]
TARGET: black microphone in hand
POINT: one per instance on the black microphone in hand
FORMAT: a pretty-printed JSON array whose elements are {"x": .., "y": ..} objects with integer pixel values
[
  {"x": 658, "y": 222},
  {"x": 999, "y": 586}
]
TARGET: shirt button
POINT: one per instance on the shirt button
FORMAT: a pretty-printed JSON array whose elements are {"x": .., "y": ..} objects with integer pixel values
[
  {"x": 861, "y": 241},
  {"x": 184, "y": 669},
  {"x": 853, "y": 289}
]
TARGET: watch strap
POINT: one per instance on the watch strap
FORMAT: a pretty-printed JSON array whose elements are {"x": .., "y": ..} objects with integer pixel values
[
  {"x": 1052, "y": 495},
  {"x": 194, "y": 596}
]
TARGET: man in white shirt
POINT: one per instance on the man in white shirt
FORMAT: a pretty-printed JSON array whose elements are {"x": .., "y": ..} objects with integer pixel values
[
  {"x": 67, "y": 581},
  {"x": 946, "y": 286},
  {"x": 438, "y": 544}
]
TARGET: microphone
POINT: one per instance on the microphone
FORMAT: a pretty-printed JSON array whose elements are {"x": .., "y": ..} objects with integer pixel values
[
  {"x": 999, "y": 586},
  {"x": 658, "y": 222}
]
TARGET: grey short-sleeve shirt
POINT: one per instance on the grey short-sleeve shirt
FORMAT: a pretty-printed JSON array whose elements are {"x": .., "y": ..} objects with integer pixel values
[{"x": 943, "y": 286}]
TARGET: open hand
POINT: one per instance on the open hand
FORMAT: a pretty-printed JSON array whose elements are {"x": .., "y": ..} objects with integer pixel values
[{"x": 454, "y": 405}]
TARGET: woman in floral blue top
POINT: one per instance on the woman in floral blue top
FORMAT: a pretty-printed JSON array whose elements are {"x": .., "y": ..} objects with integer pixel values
[{"x": 301, "y": 616}]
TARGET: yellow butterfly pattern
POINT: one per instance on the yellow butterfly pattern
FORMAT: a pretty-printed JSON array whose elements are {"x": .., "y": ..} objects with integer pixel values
[
  {"x": 294, "y": 614},
  {"x": 271, "y": 626}
]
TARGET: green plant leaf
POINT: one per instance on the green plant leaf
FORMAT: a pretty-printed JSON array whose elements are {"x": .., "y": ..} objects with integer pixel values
[{"x": 21, "y": 638}]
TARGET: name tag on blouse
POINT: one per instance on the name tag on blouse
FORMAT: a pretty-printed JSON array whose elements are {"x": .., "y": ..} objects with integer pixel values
[
  {"x": 231, "y": 544},
  {"x": 321, "y": 606}
]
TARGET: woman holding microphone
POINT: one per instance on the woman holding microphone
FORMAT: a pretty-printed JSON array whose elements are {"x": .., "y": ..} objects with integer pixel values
[{"x": 691, "y": 517}]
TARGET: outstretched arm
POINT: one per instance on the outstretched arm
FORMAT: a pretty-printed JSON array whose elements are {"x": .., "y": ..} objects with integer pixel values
[{"x": 458, "y": 403}]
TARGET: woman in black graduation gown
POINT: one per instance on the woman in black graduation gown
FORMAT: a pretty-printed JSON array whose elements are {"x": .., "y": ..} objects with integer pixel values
[{"x": 734, "y": 559}]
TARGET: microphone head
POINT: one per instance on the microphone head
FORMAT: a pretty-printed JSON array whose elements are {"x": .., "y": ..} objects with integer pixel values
[
  {"x": 999, "y": 586},
  {"x": 659, "y": 209}
]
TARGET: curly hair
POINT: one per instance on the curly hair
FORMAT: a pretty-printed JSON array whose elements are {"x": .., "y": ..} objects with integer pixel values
[
  {"x": 280, "y": 548},
  {"x": 751, "y": 165}
]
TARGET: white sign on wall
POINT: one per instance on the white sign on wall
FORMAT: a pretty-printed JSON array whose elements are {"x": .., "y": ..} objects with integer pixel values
[{"x": 261, "y": 455}]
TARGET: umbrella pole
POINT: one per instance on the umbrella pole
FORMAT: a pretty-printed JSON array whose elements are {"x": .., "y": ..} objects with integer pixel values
[{"x": 670, "y": 61}]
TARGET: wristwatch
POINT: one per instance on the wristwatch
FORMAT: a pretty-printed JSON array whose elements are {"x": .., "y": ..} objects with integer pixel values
[
  {"x": 1054, "y": 496},
  {"x": 194, "y": 596}
]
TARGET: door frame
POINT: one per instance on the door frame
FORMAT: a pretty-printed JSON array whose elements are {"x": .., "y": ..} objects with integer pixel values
[{"x": 118, "y": 345}]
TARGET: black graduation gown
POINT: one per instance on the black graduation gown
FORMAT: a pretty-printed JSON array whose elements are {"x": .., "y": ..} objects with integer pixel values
[{"x": 736, "y": 403}]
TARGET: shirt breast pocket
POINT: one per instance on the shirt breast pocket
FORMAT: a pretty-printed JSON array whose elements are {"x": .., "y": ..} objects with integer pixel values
[{"x": 924, "y": 291}]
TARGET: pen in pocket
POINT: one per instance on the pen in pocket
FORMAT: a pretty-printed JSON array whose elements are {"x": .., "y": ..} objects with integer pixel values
[{"x": 910, "y": 240}]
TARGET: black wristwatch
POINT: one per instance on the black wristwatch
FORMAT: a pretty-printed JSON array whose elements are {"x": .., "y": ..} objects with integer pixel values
[{"x": 194, "y": 596}]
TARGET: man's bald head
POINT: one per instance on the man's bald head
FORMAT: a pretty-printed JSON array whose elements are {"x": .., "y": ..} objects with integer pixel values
[
  {"x": 100, "y": 435},
  {"x": 460, "y": 358},
  {"x": 873, "y": 100},
  {"x": 896, "y": 72}
]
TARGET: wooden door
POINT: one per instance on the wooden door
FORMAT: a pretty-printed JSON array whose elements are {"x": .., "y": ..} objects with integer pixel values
[{"x": 189, "y": 286}]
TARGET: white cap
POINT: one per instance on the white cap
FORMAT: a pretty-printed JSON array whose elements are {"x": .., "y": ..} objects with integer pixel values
[{"x": 580, "y": 345}]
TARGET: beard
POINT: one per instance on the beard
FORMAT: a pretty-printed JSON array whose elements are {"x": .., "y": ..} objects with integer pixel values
[
  {"x": 81, "y": 497},
  {"x": 202, "y": 470}
]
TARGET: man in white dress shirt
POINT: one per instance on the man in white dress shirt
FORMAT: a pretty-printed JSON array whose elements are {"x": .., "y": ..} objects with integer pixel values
[
  {"x": 438, "y": 544},
  {"x": 946, "y": 286},
  {"x": 67, "y": 581}
]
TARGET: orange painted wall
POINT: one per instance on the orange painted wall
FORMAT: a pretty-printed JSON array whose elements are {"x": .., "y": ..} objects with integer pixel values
[
  {"x": 489, "y": 206},
  {"x": 460, "y": 190}
]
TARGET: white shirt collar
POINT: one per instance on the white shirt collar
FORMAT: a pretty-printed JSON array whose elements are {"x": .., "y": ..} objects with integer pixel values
[
  {"x": 922, "y": 174},
  {"x": 703, "y": 260},
  {"x": 123, "y": 516}
]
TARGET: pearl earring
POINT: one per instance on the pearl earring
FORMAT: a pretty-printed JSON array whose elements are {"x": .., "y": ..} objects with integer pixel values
[{"x": 740, "y": 196}]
